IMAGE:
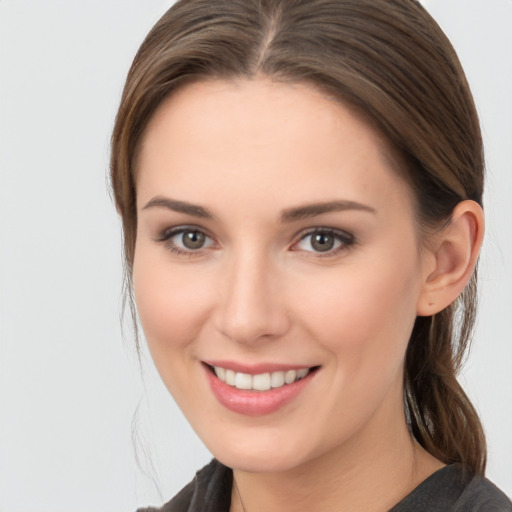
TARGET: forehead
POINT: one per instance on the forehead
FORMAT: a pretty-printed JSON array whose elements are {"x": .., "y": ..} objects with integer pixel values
[{"x": 287, "y": 141}]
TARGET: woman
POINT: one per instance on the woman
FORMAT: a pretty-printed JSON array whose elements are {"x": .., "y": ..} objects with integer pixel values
[{"x": 300, "y": 185}]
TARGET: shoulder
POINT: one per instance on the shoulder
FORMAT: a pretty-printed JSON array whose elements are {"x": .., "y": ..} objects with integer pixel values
[
  {"x": 482, "y": 495},
  {"x": 451, "y": 489},
  {"x": 210, "y": 490}
]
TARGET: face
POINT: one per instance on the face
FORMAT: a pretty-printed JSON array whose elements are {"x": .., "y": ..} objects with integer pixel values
[{"x": 277, "y": 270}]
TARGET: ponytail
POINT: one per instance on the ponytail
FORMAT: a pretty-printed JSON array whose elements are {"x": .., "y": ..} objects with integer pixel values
[{"x": 441, "y": 416}]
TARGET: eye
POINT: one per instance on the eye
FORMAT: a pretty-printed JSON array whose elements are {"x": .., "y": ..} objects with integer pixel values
[
  {"x": 191, "y": 239},
  {"x": 324, "y": 241},
  {"x": 185, "y": 240}
]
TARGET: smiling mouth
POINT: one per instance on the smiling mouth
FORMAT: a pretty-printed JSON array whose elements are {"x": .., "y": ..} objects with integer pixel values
[{"x": 261, "y": 381}]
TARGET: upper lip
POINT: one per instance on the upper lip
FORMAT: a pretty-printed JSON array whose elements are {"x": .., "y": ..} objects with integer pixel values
[{"x": 256, "y": 368}]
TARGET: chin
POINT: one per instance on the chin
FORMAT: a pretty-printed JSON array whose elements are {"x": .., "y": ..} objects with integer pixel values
[
  {"x": 259, "y": 463},
  {"x": 259, "y": 455}
]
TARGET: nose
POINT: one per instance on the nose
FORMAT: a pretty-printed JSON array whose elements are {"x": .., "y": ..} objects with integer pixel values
[{"x": 251, "y": 306}]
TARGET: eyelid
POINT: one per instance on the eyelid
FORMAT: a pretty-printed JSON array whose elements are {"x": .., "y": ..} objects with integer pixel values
[{"x": 164, "y": 236}]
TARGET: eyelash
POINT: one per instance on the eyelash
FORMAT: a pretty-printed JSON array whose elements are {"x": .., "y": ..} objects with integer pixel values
[
  {"x": 345, "y": 240},
  {"x": 166, "y": 236}
]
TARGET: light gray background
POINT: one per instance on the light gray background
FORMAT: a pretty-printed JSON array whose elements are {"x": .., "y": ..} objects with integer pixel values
[{"x": 69, "y": 388}]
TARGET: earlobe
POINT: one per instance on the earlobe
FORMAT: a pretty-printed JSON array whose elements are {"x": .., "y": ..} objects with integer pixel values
[{"x": 455, "y": 254}]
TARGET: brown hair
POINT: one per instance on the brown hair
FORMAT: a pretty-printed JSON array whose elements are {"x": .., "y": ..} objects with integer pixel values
[{"x": 390, "y": 60}]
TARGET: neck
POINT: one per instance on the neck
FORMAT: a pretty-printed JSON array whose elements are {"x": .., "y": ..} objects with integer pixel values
[{"x": 371, "y": 473}]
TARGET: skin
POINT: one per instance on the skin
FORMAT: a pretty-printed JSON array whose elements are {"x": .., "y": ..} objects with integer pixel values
[{"x": 258, "y": 291}]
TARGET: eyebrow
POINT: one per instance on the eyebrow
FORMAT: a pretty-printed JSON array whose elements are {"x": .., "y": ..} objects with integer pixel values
[
  {"x": 288, "y": 215},
  {"x": 314, "y": 209},
  {"x": 179, "y": 206}
]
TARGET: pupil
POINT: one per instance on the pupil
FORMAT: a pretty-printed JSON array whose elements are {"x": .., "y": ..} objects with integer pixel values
[
  {"x": 193, "y": 239},
  {"x": 322, "y": 242}
]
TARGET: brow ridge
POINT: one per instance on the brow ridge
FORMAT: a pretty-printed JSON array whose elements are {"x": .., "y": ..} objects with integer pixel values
[
  {"x": 314, "y": 209},
  {"x": 178, "y": 206},
  {"x": 288, "y": 215}
]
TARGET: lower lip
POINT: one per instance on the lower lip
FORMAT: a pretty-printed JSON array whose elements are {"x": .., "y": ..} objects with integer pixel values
[{"x": 255, "y": 403}]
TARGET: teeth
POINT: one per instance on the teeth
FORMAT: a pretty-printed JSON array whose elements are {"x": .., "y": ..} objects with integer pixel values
[
  {"x": 290, "y": 376},
  {"x": 302, "y": 373},
  {"x": 277, "y": 379},
  {"x": 260, "y": 382},
  {"x": 221, "y": 373},
  {"x": 230, "y": 377},
  {"x": 243, "y": 381}
]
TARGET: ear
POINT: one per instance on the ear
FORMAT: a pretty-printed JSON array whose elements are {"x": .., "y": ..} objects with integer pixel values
[{"x": 452, "y": 258}]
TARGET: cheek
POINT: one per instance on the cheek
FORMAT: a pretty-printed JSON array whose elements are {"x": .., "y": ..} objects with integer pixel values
[
  {"x": 362, "y": 317},
  {"x": 363, "y": 314},
  {"x": 171, "y": 302}
]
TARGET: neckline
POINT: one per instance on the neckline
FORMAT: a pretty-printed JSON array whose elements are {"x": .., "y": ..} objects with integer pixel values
[{"x": 451, "y": 478}]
